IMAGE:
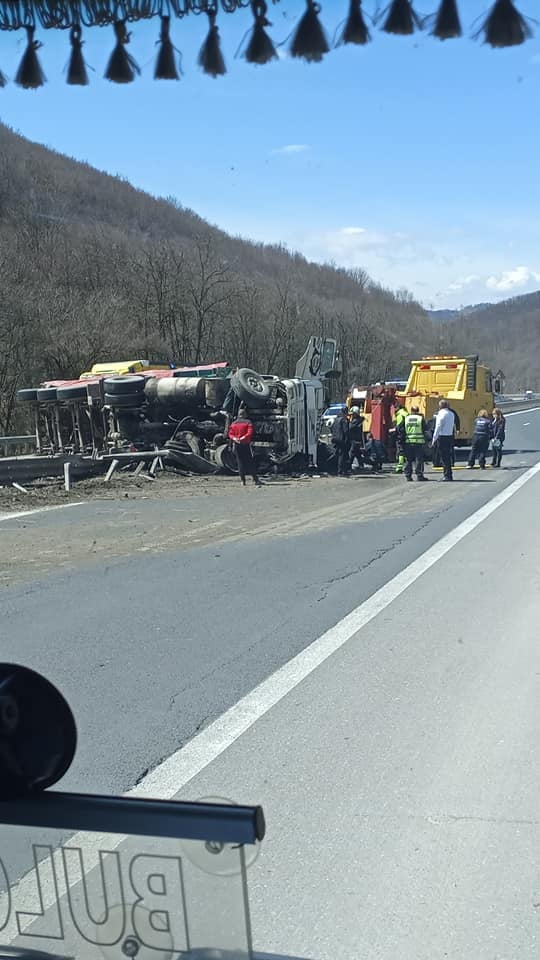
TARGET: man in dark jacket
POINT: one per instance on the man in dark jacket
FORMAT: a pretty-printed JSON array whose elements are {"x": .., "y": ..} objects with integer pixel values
[
  {"x": 341, "y": 442},
  {"x": 356, "y": 438},
  {"x": 375, "y": 453},
  {"x": 483, "y": 432},
  {"x": 457, "y": 428}
]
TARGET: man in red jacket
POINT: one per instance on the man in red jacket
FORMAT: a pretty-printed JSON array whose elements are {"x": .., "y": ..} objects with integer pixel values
[{"x": 241, "y": 434}]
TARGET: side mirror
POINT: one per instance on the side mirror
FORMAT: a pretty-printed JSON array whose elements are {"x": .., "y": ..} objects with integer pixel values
[{"x": 38, "y": 735}]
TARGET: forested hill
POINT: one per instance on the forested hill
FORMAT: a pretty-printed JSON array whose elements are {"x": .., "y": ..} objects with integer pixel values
[
  {"x": 93, "y": 269},
  {"x": 506, "y": 334}
]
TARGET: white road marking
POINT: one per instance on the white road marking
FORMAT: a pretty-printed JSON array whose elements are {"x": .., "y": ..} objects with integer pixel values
[
  {"x": 171, "y": 775},
  {"x": 29, "y": 513},
  {"x": 181, "y": 767}
]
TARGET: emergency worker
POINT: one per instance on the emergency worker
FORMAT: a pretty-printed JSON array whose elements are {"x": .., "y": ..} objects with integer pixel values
[
  {"x": 413, "y": 432},
  {"x": 483, "y": 432},
  {"x": 399, "y": 417}
]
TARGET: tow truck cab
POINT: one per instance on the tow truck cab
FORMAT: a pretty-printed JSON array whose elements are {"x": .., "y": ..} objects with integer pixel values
[{"x": 463, "y": 381}]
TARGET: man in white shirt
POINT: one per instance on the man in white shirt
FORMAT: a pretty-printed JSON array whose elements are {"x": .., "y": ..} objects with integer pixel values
[{"x": 443, "y": 435}]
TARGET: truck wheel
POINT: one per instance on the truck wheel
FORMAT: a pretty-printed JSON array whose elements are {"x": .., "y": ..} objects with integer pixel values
[
  {"x": 117, "y": 386},
  {"x": 124, "y": 400},
  {"x": 72, "y": 393},
  {"x": 27, "y": 395},
  {"x": 249, "y": 386},
  {"x": 226, "y": 459}
]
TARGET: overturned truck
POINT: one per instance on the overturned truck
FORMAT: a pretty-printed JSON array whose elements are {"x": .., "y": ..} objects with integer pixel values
[{"x": 184, "y": 413}]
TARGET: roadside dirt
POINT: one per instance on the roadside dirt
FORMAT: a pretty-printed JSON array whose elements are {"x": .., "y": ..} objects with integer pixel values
[
  {"x": 129, "y": 516},
  {"x": 46, "y": 493}
]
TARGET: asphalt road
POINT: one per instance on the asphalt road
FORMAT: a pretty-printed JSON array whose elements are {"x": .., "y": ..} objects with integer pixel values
[
  {"x": 368, "y": 768},
  {"x": 401, "y": 778}
]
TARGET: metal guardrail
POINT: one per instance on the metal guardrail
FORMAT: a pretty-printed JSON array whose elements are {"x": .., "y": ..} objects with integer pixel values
[
  {"x": 24, "y": 442},
  {"x": 514, "y": 405}
]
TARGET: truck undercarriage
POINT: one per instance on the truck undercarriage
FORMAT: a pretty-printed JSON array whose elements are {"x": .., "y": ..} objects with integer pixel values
[{"x": 184, "y": 417}]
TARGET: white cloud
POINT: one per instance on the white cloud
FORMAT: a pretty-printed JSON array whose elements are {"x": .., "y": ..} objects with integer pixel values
[
  {"x": 291, "y": 148},
  {"x": 461, "y": 282},
  {"x": 356, "y": 246},
  {"x": 442, "y": 270},
  {"x": 512, "y": 279}
]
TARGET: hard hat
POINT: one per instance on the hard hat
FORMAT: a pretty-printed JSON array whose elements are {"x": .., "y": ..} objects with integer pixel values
[{"x": 355, "y": 409}]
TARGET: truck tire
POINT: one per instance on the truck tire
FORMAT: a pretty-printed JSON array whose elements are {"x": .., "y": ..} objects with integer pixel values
[
  {"x": 249, "y": 386},
  {"x": 118, "y": 386},
  {"x": 226, "y": 459},
  {"x": 124, "y": 400},
  {"x": 75, "y": 392},
  {"x": 28, "y": 395},
  {"x": 46, "y": 394}
]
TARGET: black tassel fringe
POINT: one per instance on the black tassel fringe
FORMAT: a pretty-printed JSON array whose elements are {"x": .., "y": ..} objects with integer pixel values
[
  {"x": 309, "y": 41},
  {"x": 121, "y": 67},
  {"x": 505, "y": 26},
  {"x": 355, "y": 29},
  {"x": 260, "y": 48},
  {"x": 401, "y": 18},
  {"x": 166, "y": 68},
  {"x": 447, "y": 25},
  {"x": 502, "y": 26},
  {"x": 30, "y": 75},
  {"x": 210, "y": 57},
  {"x": 76, "y": 73}
]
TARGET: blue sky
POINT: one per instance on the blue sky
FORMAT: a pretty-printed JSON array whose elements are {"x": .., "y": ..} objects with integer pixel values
[{"x": 414, "y": 159}]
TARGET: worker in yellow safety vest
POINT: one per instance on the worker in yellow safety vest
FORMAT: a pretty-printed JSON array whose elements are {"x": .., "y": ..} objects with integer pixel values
[
  {"x": 413, "y": 435},
  {"x": 399, "y": 417}
]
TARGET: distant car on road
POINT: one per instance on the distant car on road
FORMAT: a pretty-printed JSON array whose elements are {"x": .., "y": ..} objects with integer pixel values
[{"x": 332, "y": 412}]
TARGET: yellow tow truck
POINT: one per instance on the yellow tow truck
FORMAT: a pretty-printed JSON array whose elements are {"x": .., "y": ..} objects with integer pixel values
[{"x": 463, "y": 381}]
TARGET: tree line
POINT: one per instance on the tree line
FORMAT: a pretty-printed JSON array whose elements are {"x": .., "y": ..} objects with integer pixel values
[
  {"x": 506, "y": 335},
  {"x": 92, "y": 269}
]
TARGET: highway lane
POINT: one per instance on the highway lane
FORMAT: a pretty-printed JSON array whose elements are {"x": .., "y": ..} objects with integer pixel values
[
  {"x": 149, "y": 649},
  {"x": 400, "y": 779},
  {"x": 397, "y": 736}
]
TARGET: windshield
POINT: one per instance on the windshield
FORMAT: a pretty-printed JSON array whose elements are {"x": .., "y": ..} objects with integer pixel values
[
  {"x": 269, "y": 477},
  {"x": 100, "y": 893}
]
